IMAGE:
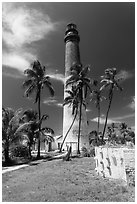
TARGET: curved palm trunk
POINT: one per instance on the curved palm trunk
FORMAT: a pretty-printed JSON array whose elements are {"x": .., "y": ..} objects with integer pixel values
[
  {"x": 68, "y": 131},
  {"x": 110, "y": 101},
  {"x": 39, "y": 111},
  {"x": 80, "y": 111}
]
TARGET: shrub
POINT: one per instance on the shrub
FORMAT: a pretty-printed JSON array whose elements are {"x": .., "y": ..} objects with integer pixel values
[
  {"x": 20, "y": 151},
  {"x": 88, "y": 152}
]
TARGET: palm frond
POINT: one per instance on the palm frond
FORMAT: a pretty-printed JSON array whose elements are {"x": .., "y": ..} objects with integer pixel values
[
  {"x": 38, "y": 69},
  {"x": 30, "y": 73},
  {"x": 48, "y": 130},
  {"x": 49, "y": 86},
  {"x": 27, "y": 82},
  {"x": 30, "y": 90},
  {"x": 85, "y": 70}
]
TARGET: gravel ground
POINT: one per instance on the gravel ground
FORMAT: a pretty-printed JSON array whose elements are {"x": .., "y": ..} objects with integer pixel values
[{"x": 61, "y": 181}]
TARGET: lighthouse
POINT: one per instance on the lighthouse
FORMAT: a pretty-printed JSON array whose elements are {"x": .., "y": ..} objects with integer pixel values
[{"x": 72, "y": 56}]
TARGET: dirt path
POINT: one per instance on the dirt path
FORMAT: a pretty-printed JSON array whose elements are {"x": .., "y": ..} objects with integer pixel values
[{"x": 60, "y": 181}]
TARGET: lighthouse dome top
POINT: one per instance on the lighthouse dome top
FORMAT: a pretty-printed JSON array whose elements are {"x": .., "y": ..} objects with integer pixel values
[{"x": 71, "y": 33}]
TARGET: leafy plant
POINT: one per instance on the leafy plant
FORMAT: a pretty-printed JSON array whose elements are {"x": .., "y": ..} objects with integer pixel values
[
  {"x": 10, "y": 122},
  {"x": 36, "y": 81},
  {"x": 110, "y": 80},
  {"x": 78, "y": 77}
]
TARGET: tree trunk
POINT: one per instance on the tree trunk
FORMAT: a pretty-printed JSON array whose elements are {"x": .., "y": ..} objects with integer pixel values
[
  {"x": 68, "y": 131},
  {"x": 30, "y": 151},
  {"x": 39, "y": 112},
  {"x": 6, "y": 155},
  {"x": 80, "y": 110},
  {"x": 6, "y": 152},
  {"x": 110, "y": 101},
  {"x": 98, "y": 119}
]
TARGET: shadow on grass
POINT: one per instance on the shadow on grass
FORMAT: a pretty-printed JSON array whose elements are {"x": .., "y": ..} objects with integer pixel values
[{"x": 21, "y": 160}]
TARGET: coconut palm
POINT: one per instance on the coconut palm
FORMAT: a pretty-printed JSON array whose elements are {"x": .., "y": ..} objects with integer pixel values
[
  {"x": 37, "y": 80},
  {"x": 72, "y": 101},
  {"x": 97, "y": 97},
  {"x": 10, "y": 122},
  {"x": 30, "y": 130},
  {"x": 28, "y": 133},
  {"x": 110, "y": 80},
  {"x": 78, "y": 77}
]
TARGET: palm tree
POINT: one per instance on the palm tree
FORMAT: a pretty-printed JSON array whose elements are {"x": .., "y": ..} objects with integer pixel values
[
  {"x": 110, "y": 80},
  {"x": 71, "y": 100},
  {"x": 111, "y": 133},
  {"x": 36, "y": 81},
  {"x": 124, "y": 130},
  {"x": 97, "y": 98},
  {"x": 10, "y": 122},
  {"x": 29, "y": 134},
  {"x": 78, "y": 77},
  {"x": 30, "y": 130}
]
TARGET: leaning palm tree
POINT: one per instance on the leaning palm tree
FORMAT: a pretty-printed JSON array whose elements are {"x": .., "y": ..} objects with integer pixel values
[
  {"x": 10, "y": 123},
  {"x": 71, "y": 100},
  {"x": 97, "y": 97},
  {"x": 110, "y": 80},
  {"x": 78, "y": 77},
  {"x": 37, "y": 80}
]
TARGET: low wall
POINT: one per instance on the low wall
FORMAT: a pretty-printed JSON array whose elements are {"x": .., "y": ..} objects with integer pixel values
[{"x": 112, "y": 162}]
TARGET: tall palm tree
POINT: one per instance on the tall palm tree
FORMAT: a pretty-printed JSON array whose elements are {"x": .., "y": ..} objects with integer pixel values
[
  {"x": 36, "y": 81},
  {"x": 97, "y": 97},
  {"x": 10, "y": 123},
  {"x": 110, "y": 80},
  {"x": 78, "y": 77},
  {"x": 71, "y": 100}
]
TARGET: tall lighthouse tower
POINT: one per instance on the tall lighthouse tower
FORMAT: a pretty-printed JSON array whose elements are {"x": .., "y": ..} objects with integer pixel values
[{"x": 72, "y": 56}]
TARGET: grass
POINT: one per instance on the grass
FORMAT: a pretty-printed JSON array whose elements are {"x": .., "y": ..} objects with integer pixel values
[{"x": 60, "y": 181}]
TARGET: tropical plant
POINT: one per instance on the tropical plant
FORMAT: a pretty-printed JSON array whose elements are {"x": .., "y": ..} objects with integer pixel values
[
  {"x": 78, "y": 77},
  {"x": 31, "y": 130},
  {"x": 97, "y": 97},
  {"x": 110, "y": 80},
  {"x": 71, "y": 100},
  {"x": 29, "y": 133},
  {"x": 125, "y": 131},
  {"x": 37, "y": 80},
  {"x": 10, "y": 122},
  {"x": 111, "y": 133}
]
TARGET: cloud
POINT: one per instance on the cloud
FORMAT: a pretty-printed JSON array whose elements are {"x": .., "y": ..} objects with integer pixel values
[
  {"x": 125, "y": 74},
  {"x": 60, "y": 105},
  {"x": 53, "y": 102},
  {"x": 55, "y": 75},
  {"x": 131, "y": 105},
  {"x": 102, "y": 120},
  {"x": 113, "y": 119},
  {"x": 23, "y": 25},
  {"x": 50, "y": 101},
  {"x": 13, "y": 73}
]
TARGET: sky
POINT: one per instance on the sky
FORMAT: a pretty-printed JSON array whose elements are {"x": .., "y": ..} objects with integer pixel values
[{"x": 35, "y": 30}]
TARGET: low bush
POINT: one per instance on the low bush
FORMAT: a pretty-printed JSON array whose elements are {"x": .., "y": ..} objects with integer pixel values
[
  {"x": 88, "y": 152},
  {"x": 20, "y": 151}
]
